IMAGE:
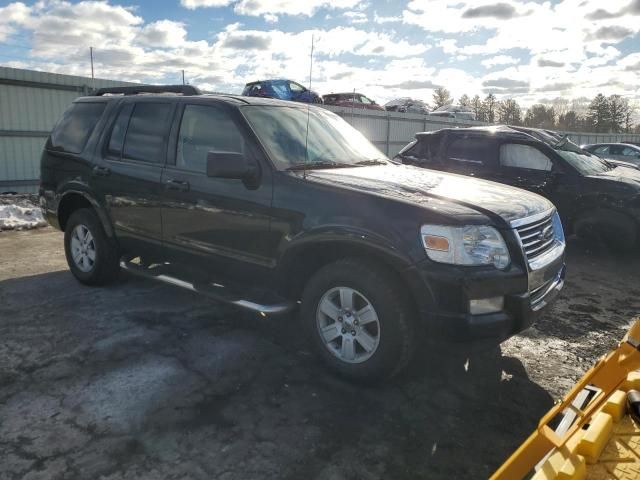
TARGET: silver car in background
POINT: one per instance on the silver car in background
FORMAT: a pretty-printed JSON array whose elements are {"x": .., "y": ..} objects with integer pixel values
[{"x": 622, "y": 152}]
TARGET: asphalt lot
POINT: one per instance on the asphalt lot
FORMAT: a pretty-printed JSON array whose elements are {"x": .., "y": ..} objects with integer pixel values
[{"x": 141, "y": 380}]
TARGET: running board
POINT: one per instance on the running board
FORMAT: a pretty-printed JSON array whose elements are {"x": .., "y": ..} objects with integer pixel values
[{"x": 214, "y": 291}]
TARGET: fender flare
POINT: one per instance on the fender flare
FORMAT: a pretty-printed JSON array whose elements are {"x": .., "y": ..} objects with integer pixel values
[{"x": 100, "y": 211}]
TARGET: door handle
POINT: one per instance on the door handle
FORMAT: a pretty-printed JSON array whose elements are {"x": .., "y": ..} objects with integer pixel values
[
  {"x": 179, "y": 185},
  {"x": 101, "y": 171}
]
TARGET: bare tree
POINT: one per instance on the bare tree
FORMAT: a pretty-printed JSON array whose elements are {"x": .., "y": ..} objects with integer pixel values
[
  {"x": 464, "y": 101},
  {"x": 477, "y": 108},
  {"x": 489, "y": 107},
  {"x": 509, "y": 112},
  {"x": 441, "y": 97},
  {"x": 618, "y": 108}
]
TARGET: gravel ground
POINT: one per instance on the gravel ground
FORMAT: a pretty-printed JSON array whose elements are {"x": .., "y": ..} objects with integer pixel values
[{"x": 144, "y": 381}]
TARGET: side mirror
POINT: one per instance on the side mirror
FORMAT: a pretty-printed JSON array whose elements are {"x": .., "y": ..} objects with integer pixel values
[{"x": 229, "y": 165}]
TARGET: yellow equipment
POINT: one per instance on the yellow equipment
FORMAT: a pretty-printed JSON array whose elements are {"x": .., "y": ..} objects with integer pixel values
[{"x": 596, "y": 439}]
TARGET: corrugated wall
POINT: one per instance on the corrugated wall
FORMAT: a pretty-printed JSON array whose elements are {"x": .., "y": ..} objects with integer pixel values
[{"x": 31, "y": 102}]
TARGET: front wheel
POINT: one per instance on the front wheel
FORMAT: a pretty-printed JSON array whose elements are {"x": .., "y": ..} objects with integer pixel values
[{"x": 359, "y": 320}]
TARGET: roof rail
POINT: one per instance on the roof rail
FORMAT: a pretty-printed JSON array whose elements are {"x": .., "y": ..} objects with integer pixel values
[{"x": 138, "y": 89}]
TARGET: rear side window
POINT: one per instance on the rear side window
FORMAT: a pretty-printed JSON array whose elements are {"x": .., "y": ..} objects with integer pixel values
[
  {"x": 73, "y": 130},
  {"x": 472, "y": 150},
  {"x": 524, "y": 156},
  {"x": 147, "y": 132},
  {"x": 205, "y": 129}
]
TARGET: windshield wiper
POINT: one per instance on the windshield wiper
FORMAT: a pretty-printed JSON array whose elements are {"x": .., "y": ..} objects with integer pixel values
[
  {"x": 317, "y": 165},
  {"x": 371, "y": 162}
]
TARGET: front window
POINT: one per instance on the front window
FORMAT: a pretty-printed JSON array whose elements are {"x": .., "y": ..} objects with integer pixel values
[
  {"x": 296, "y": 87},
  {"x": 330, "y": 140},
  {"x": 516, "y": 155},
  {"x": 584, "y": 163}
]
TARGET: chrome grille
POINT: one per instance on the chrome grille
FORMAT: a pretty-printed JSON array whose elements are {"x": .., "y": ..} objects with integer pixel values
[{"x": 537, "y": 237}]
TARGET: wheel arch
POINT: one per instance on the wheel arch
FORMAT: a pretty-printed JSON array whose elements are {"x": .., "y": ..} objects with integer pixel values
[
  {"x": 72, "y": 200},
  {"x": 302, "y": 261}
]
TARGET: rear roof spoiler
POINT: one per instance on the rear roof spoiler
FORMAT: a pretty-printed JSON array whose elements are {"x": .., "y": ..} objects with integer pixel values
[{"x": 141, "y": 89}]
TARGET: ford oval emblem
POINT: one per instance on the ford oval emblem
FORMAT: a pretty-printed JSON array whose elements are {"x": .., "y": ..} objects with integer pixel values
[{"x": 546, "y": 233}]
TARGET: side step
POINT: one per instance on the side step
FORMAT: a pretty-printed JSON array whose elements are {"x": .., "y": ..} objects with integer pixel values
[{"x": 264, "y": 306}]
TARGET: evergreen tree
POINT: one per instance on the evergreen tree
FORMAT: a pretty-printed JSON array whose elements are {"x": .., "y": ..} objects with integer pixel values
[
  {"x": 465, "y": 101},
  {"x": 598, "y": 115}
]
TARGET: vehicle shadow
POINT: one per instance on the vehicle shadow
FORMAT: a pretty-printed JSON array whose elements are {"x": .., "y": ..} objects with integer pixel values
[{"x": 140, "y": 377}]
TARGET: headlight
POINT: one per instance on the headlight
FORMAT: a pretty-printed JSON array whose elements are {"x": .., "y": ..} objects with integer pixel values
[{"x": 469, "y": 245}]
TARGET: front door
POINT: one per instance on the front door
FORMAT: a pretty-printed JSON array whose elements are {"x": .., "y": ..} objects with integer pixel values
[
  {"x": 525, "y": 166},
  {"x": 216, "y": 223}
]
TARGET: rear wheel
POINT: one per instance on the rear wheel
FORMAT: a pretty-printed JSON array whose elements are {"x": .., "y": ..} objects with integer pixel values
[
  {"x": 359, "y": 320},
  {"x": 92, "y": 257}
]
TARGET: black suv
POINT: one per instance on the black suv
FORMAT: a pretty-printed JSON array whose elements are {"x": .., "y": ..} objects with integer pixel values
[
  {"x": 595, "y": 198},
  {"x": 271, "y": 205}
]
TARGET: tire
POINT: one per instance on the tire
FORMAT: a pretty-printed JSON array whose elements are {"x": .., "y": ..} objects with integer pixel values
[
  {"x": 363, "y": 349},
  {"x": 614, "y": 229},
  {"x": 104, "y": 266}
]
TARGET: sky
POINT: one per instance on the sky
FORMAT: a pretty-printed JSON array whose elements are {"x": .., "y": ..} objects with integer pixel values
[{"x": 528, "y": 50}]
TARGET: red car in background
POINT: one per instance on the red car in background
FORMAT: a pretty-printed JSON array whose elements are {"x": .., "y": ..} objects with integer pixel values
[{"x": 351, "y": 100}]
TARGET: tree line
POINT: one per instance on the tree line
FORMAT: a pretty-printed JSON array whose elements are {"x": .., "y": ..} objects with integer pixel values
[{"x": 612, "y": 114}]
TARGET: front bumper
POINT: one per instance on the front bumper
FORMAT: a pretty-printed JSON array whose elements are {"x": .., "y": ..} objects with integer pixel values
[{"x": 443, "y": 293}]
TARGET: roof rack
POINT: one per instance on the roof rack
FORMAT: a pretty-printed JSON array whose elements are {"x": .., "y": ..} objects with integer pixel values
[{"x": 138, "y": 89}]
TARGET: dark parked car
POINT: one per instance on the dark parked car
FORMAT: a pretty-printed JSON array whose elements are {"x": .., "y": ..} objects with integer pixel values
[
  {"x": 617, "y": 152},
  {"x": 281, "y": 89},
  {"x": 351, "y": 100},
  {"x": 593, "y": 197},
  {"x": 407, "y": 105},
  {"x": 271, "y": 205}
]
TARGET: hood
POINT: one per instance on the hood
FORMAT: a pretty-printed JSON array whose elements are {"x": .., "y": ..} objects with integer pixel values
[
  {"x": 447, "y": 193},
  {"x": 621, "y": 163},
  {"x": 622, "y": 174}
]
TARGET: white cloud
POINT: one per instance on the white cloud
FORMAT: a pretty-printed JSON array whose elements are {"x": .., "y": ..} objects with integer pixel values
[
  {"x": 270, "y": 18},
  {"x": 193, "y": 4},
  {"x": 12, "y": 16},
  {"x": 499, "y": 60},
  {"x": 288, "y": 7},
  {"x": 163, "y": 33}
]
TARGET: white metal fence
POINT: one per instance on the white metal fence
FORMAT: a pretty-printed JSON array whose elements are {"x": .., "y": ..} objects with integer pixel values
[{"x": 31, "y": 102}]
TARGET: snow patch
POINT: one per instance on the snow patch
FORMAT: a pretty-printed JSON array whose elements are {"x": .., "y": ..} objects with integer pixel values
[{"x": 16, "y": 217}]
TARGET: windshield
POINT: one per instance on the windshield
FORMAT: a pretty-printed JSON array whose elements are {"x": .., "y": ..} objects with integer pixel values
[
  {"x": 331, "y": 140},
  {"x": 583, "y": 161}
]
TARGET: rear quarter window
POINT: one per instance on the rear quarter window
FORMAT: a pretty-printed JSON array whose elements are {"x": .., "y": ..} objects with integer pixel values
[{"x": 76, "y": 125}]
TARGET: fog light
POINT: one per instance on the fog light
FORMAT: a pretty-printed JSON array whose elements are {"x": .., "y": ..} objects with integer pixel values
[{"x": 486, "y": 305}]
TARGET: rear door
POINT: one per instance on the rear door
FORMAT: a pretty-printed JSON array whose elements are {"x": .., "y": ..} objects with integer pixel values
[
  {"x": 128, "y": 177},
  {"x": 469, "y": 154},
  {"x": 216, "y": 223}
]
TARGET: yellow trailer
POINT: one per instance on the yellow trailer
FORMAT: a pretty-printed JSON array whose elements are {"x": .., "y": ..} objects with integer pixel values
[{"x": 589, "y": 434}]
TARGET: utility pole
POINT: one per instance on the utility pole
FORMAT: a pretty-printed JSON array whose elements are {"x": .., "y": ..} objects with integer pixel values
[
  {"x": 93, "y": 83},
  {"x": 183, "y": 77}
]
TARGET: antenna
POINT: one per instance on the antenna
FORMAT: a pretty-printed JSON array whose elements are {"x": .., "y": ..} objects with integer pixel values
[
  {"x": 306, "y": 138},
  {"x": 93, "y": 82}
]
